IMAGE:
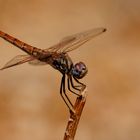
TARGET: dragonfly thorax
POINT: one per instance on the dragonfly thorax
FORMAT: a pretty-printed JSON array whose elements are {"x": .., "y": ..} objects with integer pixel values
[
  {"x": 79, "y": 70},
  {"x": 63, "y": 63}
]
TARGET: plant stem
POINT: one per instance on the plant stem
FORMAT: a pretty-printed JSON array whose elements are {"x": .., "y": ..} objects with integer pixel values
[{"x": 75, "y": 117}]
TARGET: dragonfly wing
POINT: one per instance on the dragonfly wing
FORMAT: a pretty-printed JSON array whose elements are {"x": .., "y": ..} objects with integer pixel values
[
  {"x": 72, "y": 42},
  {"x": 17, "y": 60},
  {"x": 37, "y": 62}
]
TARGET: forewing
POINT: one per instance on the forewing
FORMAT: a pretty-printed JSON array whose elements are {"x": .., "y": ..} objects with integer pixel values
[
  {"x": 72, "y": 42},
  {"x": 17, "y": 60}
]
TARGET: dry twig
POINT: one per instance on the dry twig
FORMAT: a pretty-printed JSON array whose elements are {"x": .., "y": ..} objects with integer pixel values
[{"x": 75, "y": 117}]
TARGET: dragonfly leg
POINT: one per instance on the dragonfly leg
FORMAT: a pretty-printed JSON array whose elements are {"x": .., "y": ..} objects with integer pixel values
[
  {"x": 65, "y": 97},
  {"x": 75, "y": 86},
  {"x": 83, "y": 86},
  {"x": 69, "y": 83}
]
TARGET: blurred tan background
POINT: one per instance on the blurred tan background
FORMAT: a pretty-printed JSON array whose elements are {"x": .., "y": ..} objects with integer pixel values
[{"x": 30, "y": 105}]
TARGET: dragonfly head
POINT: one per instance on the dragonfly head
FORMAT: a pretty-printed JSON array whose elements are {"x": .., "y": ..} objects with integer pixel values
[{"x": 79, "y": 70}]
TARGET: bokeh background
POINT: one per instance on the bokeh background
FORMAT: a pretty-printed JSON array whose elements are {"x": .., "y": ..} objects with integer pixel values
[{"x": 30, "y": 105}]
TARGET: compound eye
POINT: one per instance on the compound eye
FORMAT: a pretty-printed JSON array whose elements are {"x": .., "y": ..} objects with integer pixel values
[{"x": 79, "y": 70}]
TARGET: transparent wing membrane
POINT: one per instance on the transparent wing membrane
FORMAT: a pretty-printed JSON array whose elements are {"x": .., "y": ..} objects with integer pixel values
[
  {"x": 17, "y": 60},
  {"x": 37, "y": 62},
  {"x": 72, "y": 42}
]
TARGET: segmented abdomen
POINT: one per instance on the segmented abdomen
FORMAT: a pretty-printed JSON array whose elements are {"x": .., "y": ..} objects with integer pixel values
[{"x": 23, "y": 46}]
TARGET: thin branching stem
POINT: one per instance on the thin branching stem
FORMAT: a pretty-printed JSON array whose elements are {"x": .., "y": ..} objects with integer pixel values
[{"x": 75, "y": 117}]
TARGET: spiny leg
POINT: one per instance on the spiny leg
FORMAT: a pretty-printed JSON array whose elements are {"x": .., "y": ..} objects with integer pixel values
[
  {"x": 69, "y": 83},
  {"x": 72, "y": 84},
  {"x": 83, "y": 86},
  {"x": 62, "y": 90}
]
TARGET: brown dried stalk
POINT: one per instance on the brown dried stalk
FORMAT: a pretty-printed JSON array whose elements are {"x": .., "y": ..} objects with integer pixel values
[{"x": 75, "y": 117}]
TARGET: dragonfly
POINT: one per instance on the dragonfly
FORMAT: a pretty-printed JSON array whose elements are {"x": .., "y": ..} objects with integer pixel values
[{"x": 57, "y": 57}]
